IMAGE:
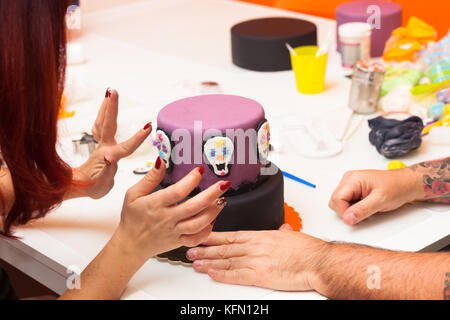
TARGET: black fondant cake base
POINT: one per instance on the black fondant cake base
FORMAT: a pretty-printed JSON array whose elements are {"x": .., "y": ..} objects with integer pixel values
[
  {"x": 260, "y": 44},
  {"x": 259, "y": 209}
]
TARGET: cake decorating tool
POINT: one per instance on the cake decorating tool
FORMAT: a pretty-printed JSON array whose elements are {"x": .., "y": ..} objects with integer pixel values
[
  {"x": 323, "y": 48},
  {"x": 144, "y": 170},
  {"x": 291, "y": 50},
  {"x": 315, "y": 137},
  {"x": 353, "y": 129},
  {"x": 292, "y": 177},
  {"x": 347, "y": 121},
  {"x": 85, "y": 145}
]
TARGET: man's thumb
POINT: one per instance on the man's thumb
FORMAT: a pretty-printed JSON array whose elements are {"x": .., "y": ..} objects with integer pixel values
[{"x": 362, "y": 209}]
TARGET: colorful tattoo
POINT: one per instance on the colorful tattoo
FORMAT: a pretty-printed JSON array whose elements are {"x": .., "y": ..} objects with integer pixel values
[
  {"x": 447, "y": 286},
  {"x": 436, "y": 179}
]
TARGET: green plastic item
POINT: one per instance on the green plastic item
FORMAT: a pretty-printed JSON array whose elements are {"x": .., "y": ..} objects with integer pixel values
[
  {"x": 397, "y": 76},
  {"x": 429, "y": 88}
]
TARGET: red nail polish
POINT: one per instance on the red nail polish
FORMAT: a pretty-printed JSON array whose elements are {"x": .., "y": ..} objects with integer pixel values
[
  {"x": 214, "y": 221},
  {"x": 158, "y": 163},
  {"x": 224, "y": 185},
  {"x": 201, "y": 169},
  {"x": 107, "y": 93},
  {"x": 148, "y": 125},
  {"x": 108, "y": 163}
]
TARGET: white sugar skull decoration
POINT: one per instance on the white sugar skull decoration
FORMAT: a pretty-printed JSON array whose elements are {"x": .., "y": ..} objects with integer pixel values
[
  {"x": 264, "y": 141},
  {"x": 162, "y": 143},
  {"x": 219, "y": 152}
]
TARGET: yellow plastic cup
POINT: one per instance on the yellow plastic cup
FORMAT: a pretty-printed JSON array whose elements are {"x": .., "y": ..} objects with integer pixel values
[{"x": 309, "y": 70}]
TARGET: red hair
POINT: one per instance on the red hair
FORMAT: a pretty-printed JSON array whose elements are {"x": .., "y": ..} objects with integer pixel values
[{"x": 32, "y": 71}]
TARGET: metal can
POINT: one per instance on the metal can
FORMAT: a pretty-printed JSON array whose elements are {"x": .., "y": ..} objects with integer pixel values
[
  {"x": 366, "y": 85},
  {"x": 85, "y": 146}
]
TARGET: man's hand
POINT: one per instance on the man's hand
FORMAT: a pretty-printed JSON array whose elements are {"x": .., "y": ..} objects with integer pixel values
[
  {"x": 293, "y": 261},
  {"x": 280, "y": 259},
  {"x": 363, "y": 193}
]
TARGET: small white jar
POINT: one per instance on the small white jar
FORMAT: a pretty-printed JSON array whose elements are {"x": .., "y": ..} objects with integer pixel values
[{"x": 354, "y": 38}]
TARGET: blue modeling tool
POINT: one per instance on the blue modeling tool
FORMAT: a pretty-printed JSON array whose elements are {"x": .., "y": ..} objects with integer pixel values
[{"x": 291, "y": 176}]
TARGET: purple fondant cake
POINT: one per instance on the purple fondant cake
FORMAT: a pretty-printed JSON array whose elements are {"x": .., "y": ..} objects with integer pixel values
[
  {"x": 228, "y": 135},
  {"x": 206, "y": 113},
  {"x": 383, "y": 17}
]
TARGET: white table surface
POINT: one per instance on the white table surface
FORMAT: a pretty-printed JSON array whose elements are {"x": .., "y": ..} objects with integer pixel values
[{"x": 154, "y": 52}]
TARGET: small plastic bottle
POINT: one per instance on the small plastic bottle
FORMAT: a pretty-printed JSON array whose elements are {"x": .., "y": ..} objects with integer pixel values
[{"x": 354, "y": 38}]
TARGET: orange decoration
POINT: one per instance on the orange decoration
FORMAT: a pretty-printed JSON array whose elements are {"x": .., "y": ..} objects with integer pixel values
[
  {"x": 292, "y": 217},
  {"x": 62, "y": 113},
  {"x": 406, "y": 41}
]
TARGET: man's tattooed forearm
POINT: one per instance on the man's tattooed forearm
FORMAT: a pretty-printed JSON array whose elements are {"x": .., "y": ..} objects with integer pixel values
[{"x": 436, "y": 179}]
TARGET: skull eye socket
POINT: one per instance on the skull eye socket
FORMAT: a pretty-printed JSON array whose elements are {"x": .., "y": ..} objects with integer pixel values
[
  {"x": 225, "y": 151},
  {"x": 212, "y": 153}
]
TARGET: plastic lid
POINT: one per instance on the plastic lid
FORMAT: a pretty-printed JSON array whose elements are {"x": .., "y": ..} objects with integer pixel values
[
  {"x": 354, "y": 30},
  {"x": 370, "y": 66}
]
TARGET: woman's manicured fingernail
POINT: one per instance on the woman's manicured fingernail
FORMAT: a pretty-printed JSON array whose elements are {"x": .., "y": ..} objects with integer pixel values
[
  {"x": 191, "y": 254},
  {"x": 108, "y": 163},
  {"x": 212, "y": 222},
  {"x": 221, "y": 202},
  {"x": 201, "y": 169},
  {"x": 108, "y": 93},
  {"x": 197, "y": 263},
  {"x": 147, "y": 126},
  {"x": 158, "y": 163},
  {"x": 224, "y": 185},
  {"x": 351, "y": 218}
]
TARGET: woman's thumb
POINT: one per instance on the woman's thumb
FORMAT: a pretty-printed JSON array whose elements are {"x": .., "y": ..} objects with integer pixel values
[{"x": 149, "y": 182}]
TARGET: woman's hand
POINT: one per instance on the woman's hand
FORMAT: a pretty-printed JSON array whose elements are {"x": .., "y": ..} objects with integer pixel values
[
  {"x": 150, "y": 224},
  {"x": 95, "y": 178},
  {"x": 153, "y": 223},
  {"x": 363, "y": 193},
  {"x": 280, "y": 259}
]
